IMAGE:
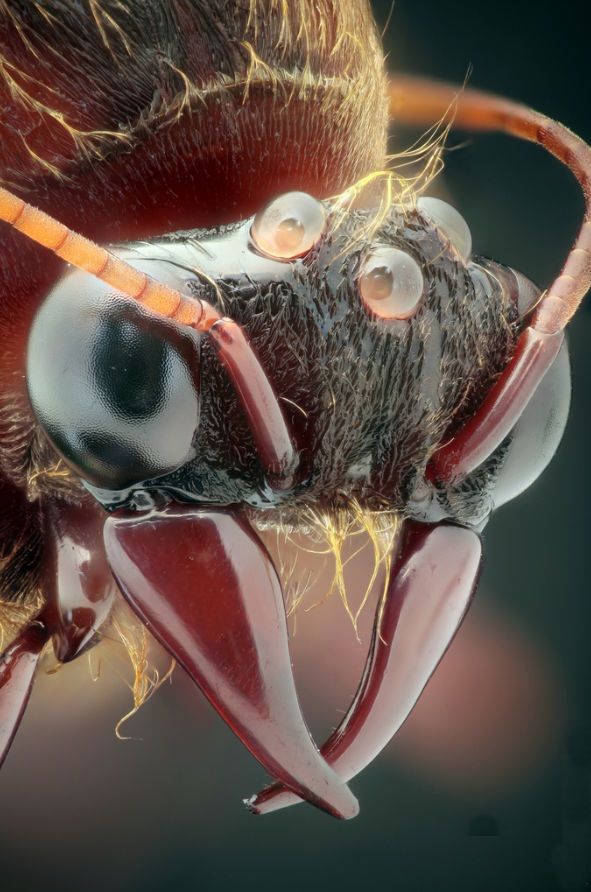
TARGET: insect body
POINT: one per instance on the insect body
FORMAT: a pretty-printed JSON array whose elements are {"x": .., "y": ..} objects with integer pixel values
[{"x": 309, "y": 353}]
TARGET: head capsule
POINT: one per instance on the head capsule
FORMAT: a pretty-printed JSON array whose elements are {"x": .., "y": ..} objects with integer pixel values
[
  {"x": 373, "y": 333},
  {"x": 377, "y": 336}
]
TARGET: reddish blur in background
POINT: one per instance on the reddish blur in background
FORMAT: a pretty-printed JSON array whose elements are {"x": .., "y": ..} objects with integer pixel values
[{"x": 488, "y": 785}]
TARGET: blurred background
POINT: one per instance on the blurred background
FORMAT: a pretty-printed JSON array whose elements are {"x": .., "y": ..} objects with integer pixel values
[{"x": 488, "y": 785}]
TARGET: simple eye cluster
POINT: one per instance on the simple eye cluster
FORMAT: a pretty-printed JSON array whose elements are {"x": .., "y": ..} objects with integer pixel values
[{"x": 390, "y": 282}]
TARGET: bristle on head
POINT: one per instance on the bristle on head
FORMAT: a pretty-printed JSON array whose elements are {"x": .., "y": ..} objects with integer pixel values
[
  {"x": 338, "y": 536},
  {"x": 405, "y": 177},
  {"x": 128, "y": 631}
]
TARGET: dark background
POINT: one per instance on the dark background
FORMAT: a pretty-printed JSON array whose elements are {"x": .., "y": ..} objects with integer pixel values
[{"x": 488, "y": 787}]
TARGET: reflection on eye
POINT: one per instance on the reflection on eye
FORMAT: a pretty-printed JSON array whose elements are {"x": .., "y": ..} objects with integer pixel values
[
  {"x": 289, "y": 226},
  {"x": 450, "y": 222},
  {"x": 391, "y": 283}
]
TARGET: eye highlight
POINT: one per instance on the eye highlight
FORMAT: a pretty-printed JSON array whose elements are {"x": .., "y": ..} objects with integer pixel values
[
  {"x": 450, "y": 222},
  {"x": 289, "y": 226},
  {"x": 391, "y": 283}
]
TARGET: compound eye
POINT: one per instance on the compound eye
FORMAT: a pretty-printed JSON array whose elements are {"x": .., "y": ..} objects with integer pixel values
[
  {"x": 450, "y": 222},
  {"x": 391, "y": 283},
  {"x": 116, "y": 392},
  {"x": 289, "y": 226}
]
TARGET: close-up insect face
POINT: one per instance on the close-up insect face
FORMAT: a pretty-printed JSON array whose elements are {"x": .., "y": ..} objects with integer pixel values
[
  {"x": 254, "y": 356},
  {"x": 398, "y": 301}
]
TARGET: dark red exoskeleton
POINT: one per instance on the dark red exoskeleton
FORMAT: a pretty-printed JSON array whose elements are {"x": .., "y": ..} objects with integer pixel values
[{"x": 249, "y": 346}]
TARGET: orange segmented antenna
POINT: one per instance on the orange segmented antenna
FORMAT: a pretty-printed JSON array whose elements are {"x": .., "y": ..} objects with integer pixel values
[
  {"x": 419, "y": 101},
  {"x": 250, "y": 380},
  {"x": 90, "y": 257}
]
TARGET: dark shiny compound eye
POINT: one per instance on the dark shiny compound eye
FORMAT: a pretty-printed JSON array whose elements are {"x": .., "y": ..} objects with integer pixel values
[
  {"x": 115, "y": 389},
  {"x": 289, "y": 226},
  {"x": 391, "y": 283}
]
